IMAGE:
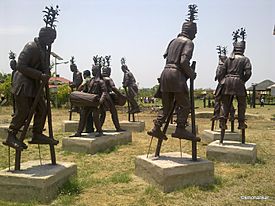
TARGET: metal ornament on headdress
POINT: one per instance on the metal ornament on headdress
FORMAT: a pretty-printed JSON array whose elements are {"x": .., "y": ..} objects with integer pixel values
[
  {"x": 108, "y": 58},
  {"x": 192, "y": 16},
  {"x": 123, "y": 61},
  {"x": 239, "y": 46},
  {"x": 50, "y": 16},
  {"x": 224, "y": 50},
  {"x": 11, "y": 55},
  {"x": 219, "y": 49},
  {"x": 106, "y": 70},
  {"x": 72, "y": 60},
  {"x": 95, "y": 59}
]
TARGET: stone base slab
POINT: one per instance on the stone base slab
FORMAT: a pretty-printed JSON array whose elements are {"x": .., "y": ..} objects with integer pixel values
[
  {"x": 172, "y": 127},
  {"x": 210, "y": 136},
  {"x": 35, "y": 182},
  {"x": 170, "y": 172},
  {"x": 69, "y": 126},
  {"x": 231, "y": 151},
  {"x": 91, "y": 144},
  {"x": 138, "y": 126},
  {"x": 4, "y": 131}
]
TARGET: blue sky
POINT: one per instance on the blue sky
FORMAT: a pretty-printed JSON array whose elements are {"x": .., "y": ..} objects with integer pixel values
[{"x": 140, "y": 31}]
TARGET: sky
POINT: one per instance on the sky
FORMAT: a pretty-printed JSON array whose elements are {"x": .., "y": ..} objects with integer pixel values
[{"x": 140, "y": 31}]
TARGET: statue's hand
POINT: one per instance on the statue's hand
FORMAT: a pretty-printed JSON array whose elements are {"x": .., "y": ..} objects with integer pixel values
[{"x": 45, "y": 78}]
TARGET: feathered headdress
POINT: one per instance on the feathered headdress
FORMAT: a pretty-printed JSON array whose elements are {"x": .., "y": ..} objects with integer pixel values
[
  {"x": 11, "y": 55},
  {"x": 50, "y": 16}
]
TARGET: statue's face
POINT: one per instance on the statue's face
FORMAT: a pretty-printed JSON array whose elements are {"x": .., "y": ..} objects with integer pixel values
[
  {"x": 124, "y": 68},
  {"x": 73, "y": 67},
  {"x": 47, "y": 35},
  {"x": 95, "y": 70}
]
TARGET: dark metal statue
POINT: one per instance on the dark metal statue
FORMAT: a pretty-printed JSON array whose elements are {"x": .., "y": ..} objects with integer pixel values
[
  {"x": 28, "y": 85},
  {"x": 131, "y": 89},
  {"x": 13, "y": 64},
  {"x": 173, "y": 86},
  {"x": 77, "y": 81},
  {"x": 218, "y": 92},
  {"x": 84, "y": 87},
  {"x": 112, "y": 94},
  {"x": 98, "y": 88},
  {"x": 235, "y": 72}
]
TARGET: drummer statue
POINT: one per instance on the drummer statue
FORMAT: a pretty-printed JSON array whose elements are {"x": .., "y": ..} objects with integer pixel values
[{"x": 131, "y": 89}]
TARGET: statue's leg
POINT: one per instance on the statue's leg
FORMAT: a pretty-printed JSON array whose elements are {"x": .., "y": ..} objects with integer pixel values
[
  {"x": 241, "y": 111},
  {"x": 167, "y": 103},
  {"x": 22, "y": 107},
  {"x": 183, "y": 110},
  {"x": 97, "y": 123}
]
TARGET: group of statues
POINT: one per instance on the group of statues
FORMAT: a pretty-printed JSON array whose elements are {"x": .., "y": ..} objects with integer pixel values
[
  {"x": 94, "y": 95},
  {"x": 105, "y": 93},
  {"x": 232, "y": 73}
]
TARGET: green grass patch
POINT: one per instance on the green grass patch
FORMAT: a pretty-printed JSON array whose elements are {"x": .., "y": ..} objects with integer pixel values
[
  {"x": 120, "y": 178},
  {"x": 71, "y": 187}
]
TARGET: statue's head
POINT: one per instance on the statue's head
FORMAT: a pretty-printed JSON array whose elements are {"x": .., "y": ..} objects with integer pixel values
[
  {"x": 239, "y": 47},
  {"x": 124, "y": 68},
  {"x": 47, "y": 35},
  {"x": 86, "y": 74},
  {"x": 13, "y": 64},
  {"x": 73, "y": 67},
  {"x": 189, "y": 29},
  {"x": 96, "y": 70},
  {"x": 106, "y": 71}
]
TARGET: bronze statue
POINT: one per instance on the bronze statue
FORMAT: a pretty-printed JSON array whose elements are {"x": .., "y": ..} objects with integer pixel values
[
  {"x": 130, "y": 87},
  {"x": 31, "y": 74},
  {"x": 13, "y": 64},
  {"x": 173, "y": 79},
  {"x": 31, "y": 91},
  {"x": 217, "y": 105},
  {"x": 77, "y": 80},
  {"x": 112, "y": 91},
  {"x": 84, "y": 87},
  {"x": 235, "y": 72},
  {"x": 96, "y": 87},
  {"x": 77, "y": 76}
]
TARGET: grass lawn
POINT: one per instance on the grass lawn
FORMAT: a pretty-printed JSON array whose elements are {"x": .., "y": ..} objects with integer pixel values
[{"x": 108, "y": 178}]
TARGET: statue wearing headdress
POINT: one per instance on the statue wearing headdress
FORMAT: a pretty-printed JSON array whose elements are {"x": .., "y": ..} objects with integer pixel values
[
  {"x": 112, "y": 93},
  {"x": 77, "y": 76},
  {"x": 173, "y": 79},
  {"x": 98, "y": 88},
  {"x": 235, "y": 71},
  {"x": 32, "y": 72},
  {"x": 218, "y": 92},
  {"x": 130, "y": 86}
]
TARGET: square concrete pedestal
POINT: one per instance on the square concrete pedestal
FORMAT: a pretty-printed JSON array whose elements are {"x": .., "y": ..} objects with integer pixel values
[
  {"x": 172, "y": 127},
  {"x": 138, "y": 126},
  {"x": 91, "y": 144},
  {"x": 210, "y": 136},
  {"x": 231, "y": 151},
  {"x": 69, "y": 126},
  {"x": 4, "y": 131},
  {"x": 170, "y": 172},
  {"x": 35, "y": 182}
]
